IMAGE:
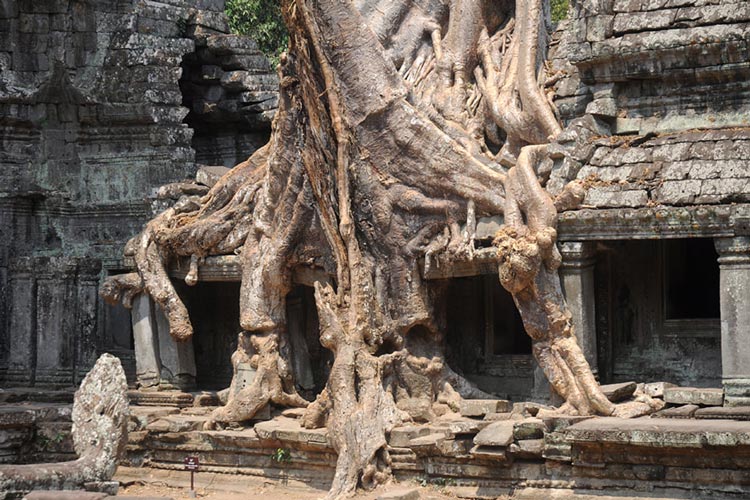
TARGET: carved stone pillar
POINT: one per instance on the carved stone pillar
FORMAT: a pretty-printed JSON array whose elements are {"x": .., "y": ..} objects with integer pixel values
[
  {"x": 147, "y": 365},
  {"x": 577, "y": 276},
  {"x": 734, "y": 290},
  {"x": 22, "y": 331},
  {"x": 177, "y": 358}
]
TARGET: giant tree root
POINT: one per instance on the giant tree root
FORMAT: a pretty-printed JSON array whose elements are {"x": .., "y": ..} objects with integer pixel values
[
  {"x": 379, "y": 147},
  {"x": 273, "y": 383}
]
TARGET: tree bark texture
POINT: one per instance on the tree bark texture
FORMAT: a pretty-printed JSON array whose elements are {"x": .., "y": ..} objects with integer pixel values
[{"x": 399, "y": 123}]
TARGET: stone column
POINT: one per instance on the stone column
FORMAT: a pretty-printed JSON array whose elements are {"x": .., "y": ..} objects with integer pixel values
[
  {"x": 177, "y": 358},
  {"x": 22, "y": 331},
  {"x": 147, "y": 365},
  {"x": 734, "y": 292},
  {"x": 577, "y": 276},
  {"x": 56, "y": 308}
]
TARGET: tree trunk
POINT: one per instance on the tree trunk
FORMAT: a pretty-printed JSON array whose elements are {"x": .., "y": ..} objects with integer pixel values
[{"x": 381, "y": 149}]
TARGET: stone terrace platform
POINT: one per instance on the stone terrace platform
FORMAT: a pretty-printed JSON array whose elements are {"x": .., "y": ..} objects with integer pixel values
[
  {"x": 694, "y": 448},
  {"x": 491, "y": 449}
]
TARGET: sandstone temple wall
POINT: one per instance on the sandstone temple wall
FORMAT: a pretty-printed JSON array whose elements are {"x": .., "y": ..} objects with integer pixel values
[{"x": 94, "y": 97}]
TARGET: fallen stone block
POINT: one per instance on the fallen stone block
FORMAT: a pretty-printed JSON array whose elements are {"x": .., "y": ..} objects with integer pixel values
[
  {"x": 494, "y": 417},
  {"x": 454, "y": 447},
  {"x": 660, "y": 432},
  {"x": 400, "y": 494},
  {"x": 481, "y": 407},
  {"x": 685, "y": 411},
  {"x": 530, "y": 428},
  {"x": 528, "y": 409},
  {"x": 557, "y": 423},
  {"x": 694, "y": 395},
  {"x": 401, "y": 436},
  {"x": 496, "y": 434},
  {"x": 619, "y": 392},
  {"x": 210, "y": 175},
  {"x": 461, "y": 427},
  {"x": 490, "y": 452},
  {"x": 527, "y": 448},
  {"x": 65, "y": 495},
  {"x": 656, "y": 389},
  {"x": 723, "y": 412},
  {"x": 427, "y": 445}
]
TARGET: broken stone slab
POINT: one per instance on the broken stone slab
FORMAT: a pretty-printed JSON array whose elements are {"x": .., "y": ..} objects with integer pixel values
[
  {"x": 175, "y": 399},
  {"x": 426, "y": 445},
  {"x": 694, "y": 395},
  {"x": 177, "y": 423},
  {"x": 482, "y": 407},
  {"x": 660, "y": 432},
  {"x": 490, "y": 453},
  {"x": 401, "y": 436},
  {"x": 557, "y": 423},
  {"x": 65, "y": 495},
  {"x": 530, "y": 428},
  {"x": 527, "y": 448},
  {"x": 496, "y": 434},
  {"x": 400, "y": 494},
  {"x": 723, "y": 412},
  {"x": 289, "y": 430},
  {"x": 210, "y": 175},
  {"x": 529, "y": 409},
  {"x": 656, "y": 389},
  {"x": 619, "y": 392},
  {"x": 685, "y": 411},
  {"x": 494, "y": 417},
  {"x": 459, "y": 427},
  {"x": 454, "y": 447}
]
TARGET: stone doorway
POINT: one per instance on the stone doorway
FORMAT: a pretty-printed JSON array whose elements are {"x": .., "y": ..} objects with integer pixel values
[{"x": 485, "y": 337}]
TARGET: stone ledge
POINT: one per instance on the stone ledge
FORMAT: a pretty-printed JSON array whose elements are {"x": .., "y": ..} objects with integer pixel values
[{"x": 660, "y": 433}]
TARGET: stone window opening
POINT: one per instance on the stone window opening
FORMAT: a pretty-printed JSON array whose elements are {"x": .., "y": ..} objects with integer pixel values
[{"x": 691, "y": 284}]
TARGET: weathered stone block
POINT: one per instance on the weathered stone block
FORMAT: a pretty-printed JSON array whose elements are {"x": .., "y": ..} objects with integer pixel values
[
  {"x": 66, "y": 495},
  {"x": 656, "y": 389},
  {"x": 530, "y": 428},
  {"x": 527, "y": 448},
  {"x": 686, "y": 411},
  {"x": 16, "y": 417},
  {"x": 490, "y": 452},
  {"x": 401, "y": 436},
  {"x": 722, "y": 412},
  {"x": 231, "y": 44},
  {"x": 496, "y": 434},
  {"x": 400, "y": 494},
  {"x": 481, "y": 407},
  {"x": 694, "y": 395},
  {"x": 619, "y": 392}
]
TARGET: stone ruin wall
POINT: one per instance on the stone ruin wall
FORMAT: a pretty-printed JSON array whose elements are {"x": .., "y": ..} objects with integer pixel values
[
  {"x": 93, "y": 100},
  {"x": 102, "y": 102},
  {"x": 669, "y": 80}
]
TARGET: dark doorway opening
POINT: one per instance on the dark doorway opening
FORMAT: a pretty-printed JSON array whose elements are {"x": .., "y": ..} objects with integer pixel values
[
  {"x": 214, "y": 311},
  {"x": 310, "y": 360},
  {"x": 485, "y": 337}
]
